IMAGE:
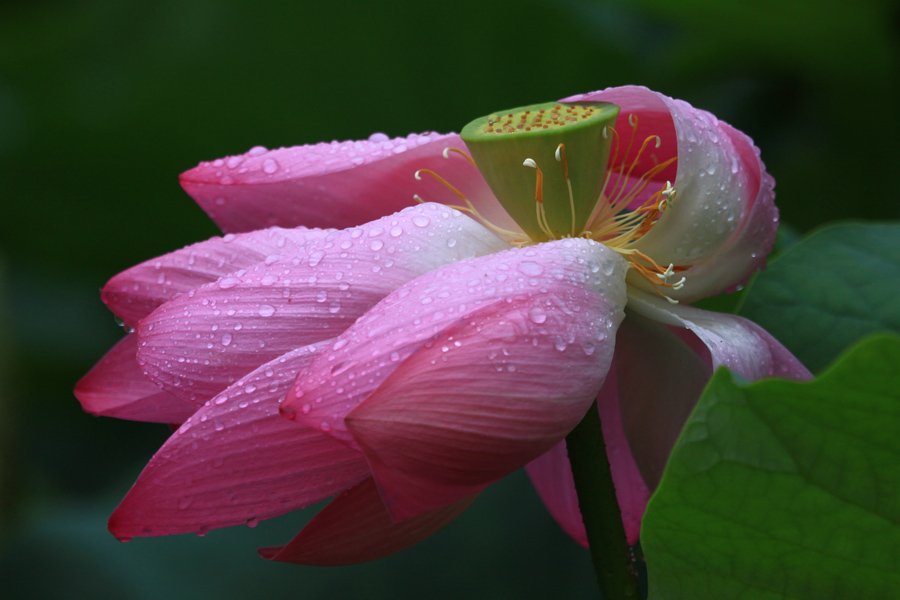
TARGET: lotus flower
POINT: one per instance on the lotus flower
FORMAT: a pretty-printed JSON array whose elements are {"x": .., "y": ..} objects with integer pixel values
[{"x": 402, "y": 322}]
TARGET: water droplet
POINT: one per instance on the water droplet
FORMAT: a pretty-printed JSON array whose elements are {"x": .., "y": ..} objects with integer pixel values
[
  {"x": 257, "y": 150},
  {"x": 252, "y": 521},
  {"x": 396, "y": 231},
  {"x": 376, "y": 245},
  {"x": 531, "y": 268},
  {"x": 266, "y": 310},
  {"x": 315, "y": 257},
  {"x": 341, "y": 367},
  {"x": 228, "y": 282},
  {"x": 270, "y": 166},
  {"x": 325, "y": 426},
  {"x": 537, "y": 315},
  {"x": 226, "y": 339},
  {"x": 420, "y": 221},
  {"x": 305, "y": 409},
  {"x": 451, "y": 242},
  {"x": 559, "y": 344}
]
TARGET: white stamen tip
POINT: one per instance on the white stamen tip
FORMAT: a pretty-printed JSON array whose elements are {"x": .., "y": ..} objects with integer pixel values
[
  {"x": 631, "y": 119},
  {"x": 418, "y": 199},
  {"x": 670, "y": 300},
  {"x": 658, "y": 141},
  {"x": 669, "y": 192},
  {"x": 529, "y": 162},
  {"x": 557, "y": 154},
  {"x": 446, "y": 152},
  {"x": 418, "y": 177},
  {"x": 605, "y": 133}
]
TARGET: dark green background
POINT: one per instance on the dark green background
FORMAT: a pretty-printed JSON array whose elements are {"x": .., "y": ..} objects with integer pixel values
[{"x": 103, "y": 104}]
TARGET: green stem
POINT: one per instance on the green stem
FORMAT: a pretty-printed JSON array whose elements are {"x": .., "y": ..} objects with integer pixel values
[{"x": 600, "y": 512}]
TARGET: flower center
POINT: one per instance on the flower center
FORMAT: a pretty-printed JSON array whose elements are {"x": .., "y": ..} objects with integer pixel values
[{"x": 545, "y": 164}]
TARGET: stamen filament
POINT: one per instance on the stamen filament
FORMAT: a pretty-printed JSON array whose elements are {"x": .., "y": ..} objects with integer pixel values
[
  {"x": 540, "y": 214},
  {"x": 442, "y": 181},
  {"x": 561, "y": 157},
  {"x": 465, "y": 155}
]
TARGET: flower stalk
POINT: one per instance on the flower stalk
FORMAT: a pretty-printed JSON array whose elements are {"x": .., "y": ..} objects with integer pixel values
[{"x": 610, "y": 553}]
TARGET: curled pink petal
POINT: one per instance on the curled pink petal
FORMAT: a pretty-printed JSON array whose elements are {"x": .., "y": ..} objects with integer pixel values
[
  {"x": 723, "y": 220},
  {"x": 135, "y": 293},
  {"x": 237, "y": 461},
  {"x": 116, "y": 387},
  {"x": 479, "y": 368},
  {"x": 734, "y": 342},
  {"x": 337, "y": 184},
  {"x": 199, "y": 343},
  {"x": 355, "y": 527}
]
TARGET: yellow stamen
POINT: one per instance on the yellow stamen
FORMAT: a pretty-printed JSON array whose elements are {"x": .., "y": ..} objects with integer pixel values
[
  {"x": 539, "y": 212},
  {"x": 561, "y": 157},
  {"x": 465, "y": 155}
]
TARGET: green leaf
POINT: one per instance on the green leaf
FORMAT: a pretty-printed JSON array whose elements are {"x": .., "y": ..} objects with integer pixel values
[
  {"x": 837, "y": 286},
  {"x": 785, "y": 489}
]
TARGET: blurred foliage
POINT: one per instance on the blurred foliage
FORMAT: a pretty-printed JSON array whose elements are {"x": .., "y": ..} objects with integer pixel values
[{"x": 103, "y": 103}]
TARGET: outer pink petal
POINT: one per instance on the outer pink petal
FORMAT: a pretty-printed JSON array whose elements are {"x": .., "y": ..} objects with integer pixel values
[
  {"x": 417, "y": 313},
  {"x": 116, "y": 387},
  {"x": 723, "y": 220},
  {"x": 479, "y": 368},
  {"x": 355, "y": 527},
  {"x": 551, "y": 474},
  {"x": 734, "y": 342},
  {"x": 199, "y": 343},
  {"x": 135, "y": 293},
  {"x": 337, "y": 184},
  {"x": 236, "y": 460}
]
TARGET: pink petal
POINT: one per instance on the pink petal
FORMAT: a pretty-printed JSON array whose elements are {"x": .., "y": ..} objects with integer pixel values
[
  {"x": 651, "y": 118},
  {"x": 452, "y": 353},
  {"x": 723, "y": 220},
  {"x": 116, "y": 387},
  {"x": 734, "y": 342},
  {"x": 355, "y": 527},
  {"x": 236, "y": 461},
  {"x": 551, "y": 474},
  {"x": 417, "y": 313},
  {"x": 135, "y": 293},
  {"x": 660, "y": 379},
  {"x": 331, "y": 184},
  {"x": 199, "y": 343}
]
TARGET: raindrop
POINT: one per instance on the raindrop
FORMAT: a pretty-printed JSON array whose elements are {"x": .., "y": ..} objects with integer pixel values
[
  {"x": 226, "y": 339},
  {"x": 537, "y": 315},
  {"x": 420, "y": 221},
  {"x": 266, "y": 310},
  {"x": 270, "y": 166},
  {"x": 531, "y": 268}
]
